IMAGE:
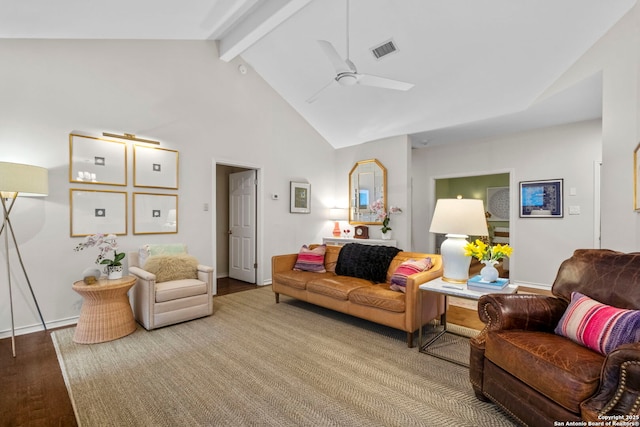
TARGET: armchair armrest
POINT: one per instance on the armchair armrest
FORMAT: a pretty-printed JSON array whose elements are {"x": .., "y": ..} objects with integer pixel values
[
  {"x": 619, "y": 391},
  {"x": 520, "y": 311},
  {"x": 142, "y": 274}
]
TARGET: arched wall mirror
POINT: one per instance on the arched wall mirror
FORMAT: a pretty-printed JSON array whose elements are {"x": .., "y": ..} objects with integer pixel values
[{"x": 367, "y": 183}]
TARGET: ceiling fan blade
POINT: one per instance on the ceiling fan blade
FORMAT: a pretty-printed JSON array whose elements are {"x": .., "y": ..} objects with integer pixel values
[
  {"x": 382, "y": 82},
  {"x": 317, "y": 94},
  {"x": 339, "y": 64}
]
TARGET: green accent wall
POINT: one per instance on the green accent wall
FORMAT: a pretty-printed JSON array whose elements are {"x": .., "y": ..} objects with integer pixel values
[{"x": 472, "y": 187}]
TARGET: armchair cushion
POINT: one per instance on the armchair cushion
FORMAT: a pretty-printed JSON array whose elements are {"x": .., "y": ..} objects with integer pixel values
[
  {"x": 598, "y": 326},
  {"x": 172, "y": 267},
  {"x": 554, "y": 366}
]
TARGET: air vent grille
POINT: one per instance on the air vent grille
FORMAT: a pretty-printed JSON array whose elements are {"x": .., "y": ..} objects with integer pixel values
[{"x": 384, "y": 49}]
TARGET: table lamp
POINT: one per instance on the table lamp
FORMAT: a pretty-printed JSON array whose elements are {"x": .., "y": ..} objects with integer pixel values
[
  {"x": 458, "y": 219},
  {"x": 337, "y": 215},
  {"x": 26, "y": 181}
]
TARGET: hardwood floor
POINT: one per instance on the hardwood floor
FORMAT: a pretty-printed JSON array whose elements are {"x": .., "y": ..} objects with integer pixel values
[{"x": 33, "y": 390}]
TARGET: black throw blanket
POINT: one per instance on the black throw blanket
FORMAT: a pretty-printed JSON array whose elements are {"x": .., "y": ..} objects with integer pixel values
[{"x": 365, "y": 261}]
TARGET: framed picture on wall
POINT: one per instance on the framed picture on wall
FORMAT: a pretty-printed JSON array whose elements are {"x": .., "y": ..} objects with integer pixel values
[
  {"x": 94, "y": 211},
  {"x": 300, "y": 197},
  {"x": 541, "y": 199},
  {"x": 155, "y": 167},
  {"x": 95, "y": 160},
  {"x": 155, "y": 213},
  {"x": 636, "y": 179}
]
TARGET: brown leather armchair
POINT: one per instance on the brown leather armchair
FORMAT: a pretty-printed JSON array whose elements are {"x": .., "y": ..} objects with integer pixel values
[{"x": 539, "y": 377}]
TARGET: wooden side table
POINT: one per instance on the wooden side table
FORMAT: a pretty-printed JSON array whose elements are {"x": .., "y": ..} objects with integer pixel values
[{"x": 106, "y": 313}]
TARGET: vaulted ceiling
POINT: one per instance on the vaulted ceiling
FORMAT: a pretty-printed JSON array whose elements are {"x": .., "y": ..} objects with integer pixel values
[{"x": 479, "y": 68}]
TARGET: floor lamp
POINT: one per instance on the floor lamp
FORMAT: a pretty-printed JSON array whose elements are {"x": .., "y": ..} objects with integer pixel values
[
  {"x": 19, "y": 180},
  {"x": 459, "y": 219}
]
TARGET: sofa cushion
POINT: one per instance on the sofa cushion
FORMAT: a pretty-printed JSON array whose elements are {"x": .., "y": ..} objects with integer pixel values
[
  {"x": 178, "y": 289},
  {"x": 311, "y": 259},
  {"x": 297, "y": 279},
  {"x": 369, "y": 262},
  {"x": 406, "y": 269},
  {"x": 598, "y": 326},
  {"x": 379, "y": 296},
  {"x": 172, "y": 267},
  {"x": 338, "y": 287},
  {"x": 556, "y": 367}
]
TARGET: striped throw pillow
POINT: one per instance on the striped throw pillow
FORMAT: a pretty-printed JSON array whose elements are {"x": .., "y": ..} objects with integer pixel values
[
  {"x": 311, "y": 259},
  {"x": 598, "y": 326},
  {"x": 406, "y": 269}
]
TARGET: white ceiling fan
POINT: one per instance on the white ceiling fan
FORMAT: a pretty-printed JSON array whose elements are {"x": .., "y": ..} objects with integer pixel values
[{"x": 347, "y": 74}]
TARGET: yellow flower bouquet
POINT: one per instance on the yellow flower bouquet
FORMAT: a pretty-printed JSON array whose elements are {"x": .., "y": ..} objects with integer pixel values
[{"x": 484, "y": 252}]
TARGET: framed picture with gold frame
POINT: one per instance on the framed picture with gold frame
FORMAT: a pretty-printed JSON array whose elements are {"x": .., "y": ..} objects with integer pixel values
[
  {"x": 155, "y": 167},
  {"x": 94, "y": 160},
  {"x": 155, "y": 213},
  {"x": 97, "y": 211},
  {"x": 636, "y": 179}
]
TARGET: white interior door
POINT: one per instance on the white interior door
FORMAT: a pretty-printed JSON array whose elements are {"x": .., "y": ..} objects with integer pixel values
[{"x": 242, "y": 226}]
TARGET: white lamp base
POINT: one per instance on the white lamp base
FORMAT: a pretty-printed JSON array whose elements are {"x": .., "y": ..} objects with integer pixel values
[{"x": 454, "y": 263}]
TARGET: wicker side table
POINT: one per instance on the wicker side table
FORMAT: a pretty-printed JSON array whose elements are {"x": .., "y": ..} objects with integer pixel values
[{"x": 106, "y": 313}]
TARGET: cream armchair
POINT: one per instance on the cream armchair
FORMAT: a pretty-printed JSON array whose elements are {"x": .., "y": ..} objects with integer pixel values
[{"x": 157, "y": 302}]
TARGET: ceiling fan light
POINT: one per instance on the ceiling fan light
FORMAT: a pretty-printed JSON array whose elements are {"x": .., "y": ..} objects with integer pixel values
[{"x": 347, "y": 79}]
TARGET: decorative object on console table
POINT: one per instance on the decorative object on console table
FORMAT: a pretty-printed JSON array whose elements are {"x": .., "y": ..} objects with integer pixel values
[
  {"x": 385, "y": 216},
  {"x": 18, "y": 180},
  {"x": 458, "y": 218},
  {"x": 361, "y": 232},
  {"x": 337, "y": 215}
]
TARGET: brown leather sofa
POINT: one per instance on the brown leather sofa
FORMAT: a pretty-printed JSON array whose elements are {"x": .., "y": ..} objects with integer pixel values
[
  {"x": 540, "y": 377},
  {"x": 360, "y": 297}
]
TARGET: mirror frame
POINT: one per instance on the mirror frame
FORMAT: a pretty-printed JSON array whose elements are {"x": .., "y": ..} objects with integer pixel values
[{"x": 352, "y": 208}]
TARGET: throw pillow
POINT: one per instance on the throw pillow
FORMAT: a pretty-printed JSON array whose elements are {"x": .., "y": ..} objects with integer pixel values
[
  {"x": 406, "y": 269},
  {"x": 311, "y": 259},
  {"x": 598, "y": 326},
  {"x": 172, "y": 267}
]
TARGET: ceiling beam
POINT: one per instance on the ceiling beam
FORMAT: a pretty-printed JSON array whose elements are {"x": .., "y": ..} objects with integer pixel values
[{"x": 255, "y": 25}]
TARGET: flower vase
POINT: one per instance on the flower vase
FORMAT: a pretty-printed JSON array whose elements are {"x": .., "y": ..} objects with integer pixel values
[
  {"x": 387, "y": 235},
  {"x": 114, "y": 272},
  {"x": 489, "y": 273}
]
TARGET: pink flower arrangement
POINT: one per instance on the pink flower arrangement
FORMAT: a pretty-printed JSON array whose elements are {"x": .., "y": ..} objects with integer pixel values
[
  {"x": 384, "y": 215},
  {"x": 106, "y": 243}
]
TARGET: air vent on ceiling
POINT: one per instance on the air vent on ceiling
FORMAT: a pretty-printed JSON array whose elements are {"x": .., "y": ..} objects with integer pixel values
[{"x": 384, "y": 49}]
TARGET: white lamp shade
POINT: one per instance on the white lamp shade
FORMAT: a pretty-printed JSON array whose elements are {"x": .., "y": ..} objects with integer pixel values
[
  {"x": 459, "y": 216},
  {"x": 338, "y": 214},
  {"x": 26, "y": 180}
]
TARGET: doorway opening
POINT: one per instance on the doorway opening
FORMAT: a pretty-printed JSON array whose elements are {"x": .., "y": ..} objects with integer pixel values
[{"x": 236, "y": 223}]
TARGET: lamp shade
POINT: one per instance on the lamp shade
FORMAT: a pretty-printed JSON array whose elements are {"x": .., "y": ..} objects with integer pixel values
[
  {"x": 338, "y": 214},
  {"x": 26, "y": 180},
  {"x": 459, "y": 216}
]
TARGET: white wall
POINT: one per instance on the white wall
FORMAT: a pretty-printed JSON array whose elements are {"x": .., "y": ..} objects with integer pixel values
[
  {"x": 176, "y": 92},
  {"x": 394, "y": 154},
  {"x": 540, "y": 244},
  {"x": 618, "y": 57}
]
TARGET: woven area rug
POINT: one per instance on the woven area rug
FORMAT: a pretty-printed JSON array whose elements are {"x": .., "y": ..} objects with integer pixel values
[{"x": 257, "y": 363}]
